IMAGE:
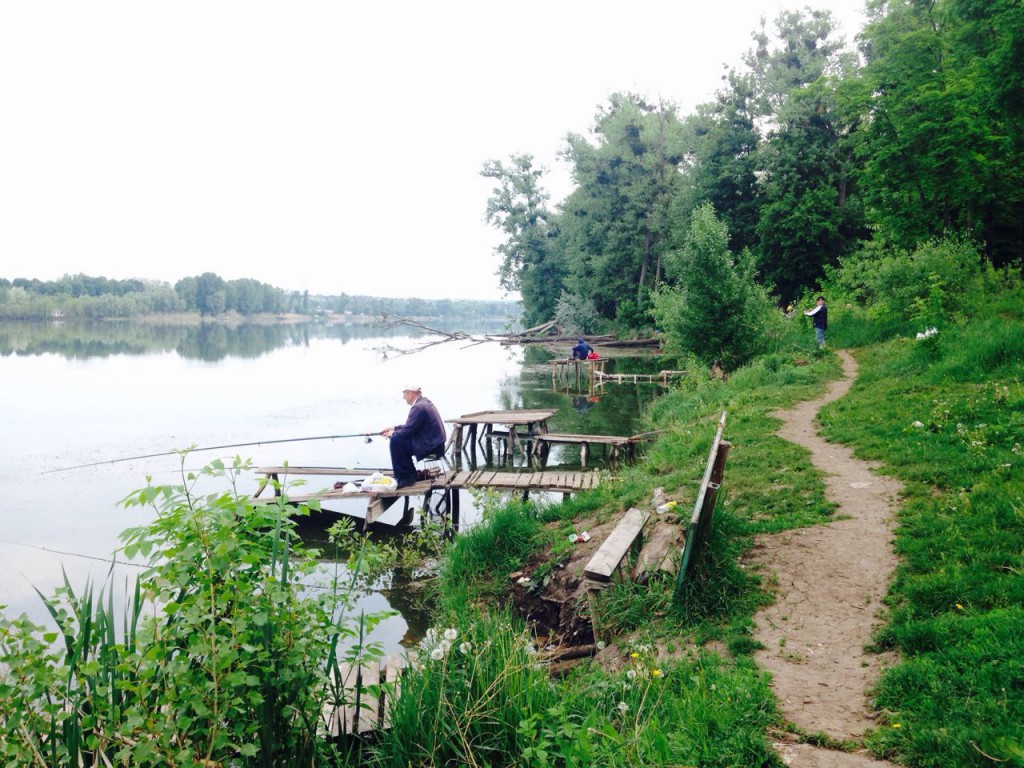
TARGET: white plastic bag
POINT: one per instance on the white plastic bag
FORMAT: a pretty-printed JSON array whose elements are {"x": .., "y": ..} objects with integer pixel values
[{"x": 378, "y": 481}]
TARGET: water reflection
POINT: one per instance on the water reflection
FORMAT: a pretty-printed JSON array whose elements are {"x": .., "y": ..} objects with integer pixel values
[
  {"x": 98, "y": 392},
  {"x": 209, "y": 342}
]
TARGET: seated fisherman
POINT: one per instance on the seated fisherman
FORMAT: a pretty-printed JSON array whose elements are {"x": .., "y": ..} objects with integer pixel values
[
  {"x": 423, "y": 434},
  {"x": 581, "y": 350}
]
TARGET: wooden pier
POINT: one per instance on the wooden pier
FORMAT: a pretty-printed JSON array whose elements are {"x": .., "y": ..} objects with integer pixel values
[
  {"x": 662, "y": 377},
  {"x": 448, "y": 483},
  {"x": 618, "y": 445},
  {"x": 512, "y": 427}
]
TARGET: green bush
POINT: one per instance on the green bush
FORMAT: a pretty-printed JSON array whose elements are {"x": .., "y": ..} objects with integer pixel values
[
  {"x": 715, "y": 310},
  {"x": 219, "y": 658}
]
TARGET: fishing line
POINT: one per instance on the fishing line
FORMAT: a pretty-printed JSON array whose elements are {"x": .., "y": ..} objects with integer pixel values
[{"x": 367, "y": 436}]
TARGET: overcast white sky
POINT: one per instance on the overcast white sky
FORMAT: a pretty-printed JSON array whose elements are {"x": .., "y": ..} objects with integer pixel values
[{"x": 322, "y": 146}]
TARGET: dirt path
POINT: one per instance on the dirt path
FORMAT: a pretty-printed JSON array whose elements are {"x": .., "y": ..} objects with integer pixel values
[{"x": 830, "y": 582}]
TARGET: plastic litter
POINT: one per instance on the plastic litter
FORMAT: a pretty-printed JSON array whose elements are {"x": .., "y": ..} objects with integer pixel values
[
  {"x": 378, "y": 481},
  {"x": 668, "y": 506}
]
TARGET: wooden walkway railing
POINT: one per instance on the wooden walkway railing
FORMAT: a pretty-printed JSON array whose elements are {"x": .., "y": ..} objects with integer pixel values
[{"x": 704, "y": 508}]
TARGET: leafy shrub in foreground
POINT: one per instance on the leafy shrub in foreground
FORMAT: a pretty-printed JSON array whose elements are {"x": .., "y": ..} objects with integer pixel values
[{"x": 217, "y": 660}]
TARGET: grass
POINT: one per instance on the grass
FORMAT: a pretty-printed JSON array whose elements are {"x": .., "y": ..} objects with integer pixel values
[
  {"x": 952, "y": 431},
  {"x": 204, "y": 680},
  {"x": 946, "y": 416}
]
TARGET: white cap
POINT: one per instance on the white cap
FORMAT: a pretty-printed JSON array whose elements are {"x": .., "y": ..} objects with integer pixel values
[{"x": 411, "y": 388}]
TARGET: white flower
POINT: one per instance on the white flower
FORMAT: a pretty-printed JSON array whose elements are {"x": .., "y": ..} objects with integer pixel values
[
  {"x": 631, "y": 674},
  {"x": 465, "y": 648},
  {"x": 451, "y": 634},
  {"x": 623, "y": 707},
  {"x": 437, "y": 654},
  {"x": 600, "y": 645},
  {"x": 445, "y": 646}
]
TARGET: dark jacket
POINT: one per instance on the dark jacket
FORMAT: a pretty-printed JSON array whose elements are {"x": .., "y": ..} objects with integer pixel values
[
  {"x": 424, "y": 428},
  {"x": 819, "y": 316},
  {"x": 581, "y": 350}
]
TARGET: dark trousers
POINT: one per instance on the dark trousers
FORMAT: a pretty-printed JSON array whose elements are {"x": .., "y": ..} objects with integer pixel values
[{"x": 401, "y": 459}]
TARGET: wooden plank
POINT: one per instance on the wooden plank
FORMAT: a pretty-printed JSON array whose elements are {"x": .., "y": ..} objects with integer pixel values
[
  {"x": 339, "y": 471},
  {"x": 614, "y": 548},
  {"x": 394, "y": 666},
  {"x": 368, "y": 705},
  {"x": 344, "y": 715}
]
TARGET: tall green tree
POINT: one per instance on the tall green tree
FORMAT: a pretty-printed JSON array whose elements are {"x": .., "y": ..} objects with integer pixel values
[
  {"x": 518, "y": 208},
  {"x": 808, "y": 216},
  {"x": 616, "y": 224},
  {"x": 720, "y": 166},
  {"x": 943, "y": 149}
]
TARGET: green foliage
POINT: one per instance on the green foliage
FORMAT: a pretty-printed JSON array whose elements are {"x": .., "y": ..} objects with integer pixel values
[
  {"x": 481, "y": 558},
  {"x": 218, "y": 658},
  {"x": 479, "y": 697},
  {"x": 576, "y": 314},
  {"x": 951, "y": 431},
  {"x": 930, "y": 285},
  {"x": 518, "y": 207},
  {"x": 617, "y": 224},
  {"x": 717, "y": 311},
  {"x": 942, "y": 151}
]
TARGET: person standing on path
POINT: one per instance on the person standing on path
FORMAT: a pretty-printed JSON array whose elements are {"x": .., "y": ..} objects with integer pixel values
[
  {"x": 819, "y": 319},
  {"x": 423, "y": 434}
]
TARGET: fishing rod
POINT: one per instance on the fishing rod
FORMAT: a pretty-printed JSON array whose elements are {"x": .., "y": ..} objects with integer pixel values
[{"x": 368, "y": 438}]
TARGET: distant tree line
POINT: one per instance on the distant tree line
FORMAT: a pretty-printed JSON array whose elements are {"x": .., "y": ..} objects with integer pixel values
[
  {"x": 808, "y": 154},
  {"x": 84, "y": 297}
]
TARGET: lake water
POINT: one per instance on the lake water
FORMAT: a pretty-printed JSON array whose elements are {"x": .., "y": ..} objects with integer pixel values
[{"x": 79, "y": 394}]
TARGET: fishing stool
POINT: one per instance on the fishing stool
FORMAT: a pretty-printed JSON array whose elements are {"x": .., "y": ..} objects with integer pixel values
[{"x": 435, "y": 463}]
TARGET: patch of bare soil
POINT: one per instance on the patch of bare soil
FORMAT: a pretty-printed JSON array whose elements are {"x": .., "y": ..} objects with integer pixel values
[
  {"x": 829, "y": 583},
  {"x": 554, "y": 601}
]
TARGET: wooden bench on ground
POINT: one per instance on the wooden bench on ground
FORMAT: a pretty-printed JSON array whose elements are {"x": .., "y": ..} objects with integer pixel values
[{"x": 658, "y": 553}]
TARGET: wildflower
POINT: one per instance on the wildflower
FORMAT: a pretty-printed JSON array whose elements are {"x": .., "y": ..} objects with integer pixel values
[
  {"x": 437, "y": 654},
  {"x": 600, "y": 645},
  {"x": 959, "y": 607},
  {"x": 631, "y": 674},
  {"x": 445, "y": 646},
  {"x": 655, "y": 673},
  {"x": 634, "y": 655},
  {"x": 896, "y": 725},
  {"x": 451, "y": 634},
  {"x": 623, "y": 707},
  {"x": 465, "y": 648}
]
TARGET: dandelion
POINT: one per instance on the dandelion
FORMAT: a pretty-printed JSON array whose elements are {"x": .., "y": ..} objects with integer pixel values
[
  {"x": 623, "y": 707},
  {"x": 600, "y": 645},
  {"x": 634, "y": 655},
  {"x": 465, "y": 648},
  {"x": 437, "y": 654},
  {"x": 959, "y": 607},
  {"x": 631, "y": 674},
  {"x": 896, "y": 725},
  {"x": 655, "y": 673},
  {"x": 445, "y": 645},
  {"x": 451, "y": 634}
]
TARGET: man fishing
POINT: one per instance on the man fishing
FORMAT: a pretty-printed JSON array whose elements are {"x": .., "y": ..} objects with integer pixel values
[{"x": 423, "y": 434}]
